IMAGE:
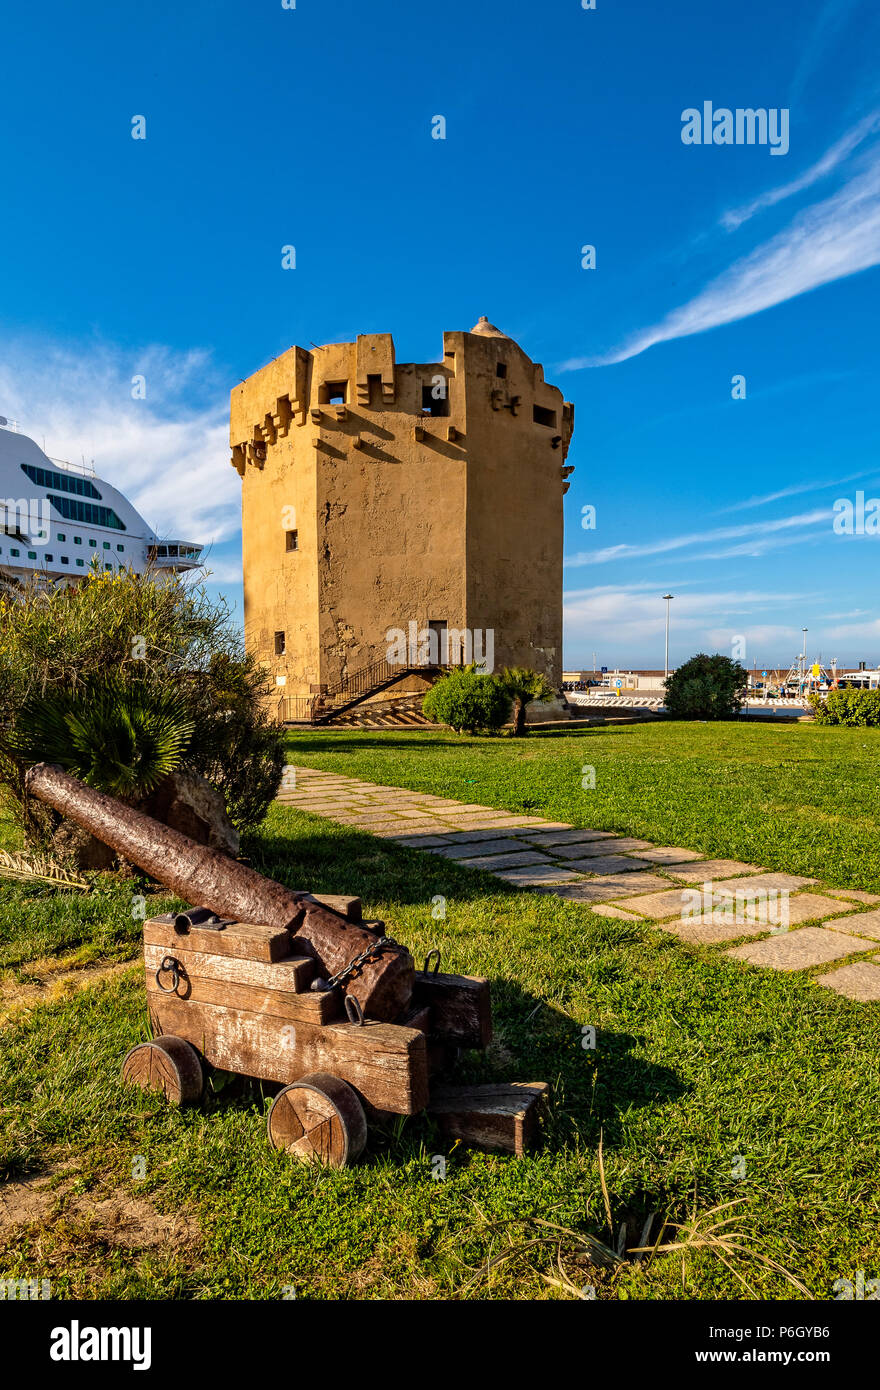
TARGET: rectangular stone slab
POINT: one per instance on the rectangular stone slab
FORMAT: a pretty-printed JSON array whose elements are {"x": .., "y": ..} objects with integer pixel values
[
  {"x": 707, "y": 869},
  {"x": 670, "y": 902},
  {"x": 801, "y": 907},
  {"x": 570, "y": 836},
  {"x": 798, "y": 950},
  {"x": 861, "y": 980},
  {"x": 609, "y": 888},
  {"x": 668, "y": 854},
  {"x": 609, "y": 864},
  {"x": 482, "y": 849},
  {"x": 865, "y": 923},
  {"x": 706, "y": 931},
  {"x": 615, "y": 845},
  {"x": 740, "y": 886},
  {"x": 508, "y": 861},
  {"x": 533, "y": 875}
]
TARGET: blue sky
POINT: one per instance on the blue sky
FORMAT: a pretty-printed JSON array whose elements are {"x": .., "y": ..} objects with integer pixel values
[{"x": 312, "y": 126}]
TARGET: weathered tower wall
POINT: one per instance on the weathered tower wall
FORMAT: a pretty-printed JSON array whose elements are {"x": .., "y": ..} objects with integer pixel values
[{"x": 413, "y": 493}]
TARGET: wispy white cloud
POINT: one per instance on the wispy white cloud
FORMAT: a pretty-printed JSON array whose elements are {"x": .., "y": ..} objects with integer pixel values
[
  {"x": 169, "y": 455},
  {"x": 827, "y": 241},
  {"x": 754, "y": 531},
  {"x": 827, "y": 27},
  {"x": 626, "y": 625},
  {"x": 625, "y": 620},
  {"x": 794, "y": 491},
  {"x": 829, "y": 161}
]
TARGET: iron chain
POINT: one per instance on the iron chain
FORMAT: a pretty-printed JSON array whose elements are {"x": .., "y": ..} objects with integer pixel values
[{"x": 353, "y": 969}]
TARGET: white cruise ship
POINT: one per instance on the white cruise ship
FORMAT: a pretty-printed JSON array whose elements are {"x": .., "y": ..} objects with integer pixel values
[{"x": 60, "y": 520}]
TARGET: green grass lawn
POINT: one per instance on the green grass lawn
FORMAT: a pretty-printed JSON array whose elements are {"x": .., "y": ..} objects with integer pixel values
[
  {"x": 797, "y": 797},
  {"x": 711, "y": 1083}
]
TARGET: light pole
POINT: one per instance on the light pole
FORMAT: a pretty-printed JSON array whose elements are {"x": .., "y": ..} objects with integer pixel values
[
  {"x": 804, "y": 630},
  {"x": 667, "y": 597}
]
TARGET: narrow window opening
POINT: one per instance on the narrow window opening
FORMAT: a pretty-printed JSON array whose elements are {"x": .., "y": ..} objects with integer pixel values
[
  {"x": 333, "y": 393},
  {"x": 280, "y": 644},
  {"x": 501, "y": 369},
  {"x": 291, "y": 539},
  {"x": 544, "y": 417},
  {"x": 435, "y": 405}
]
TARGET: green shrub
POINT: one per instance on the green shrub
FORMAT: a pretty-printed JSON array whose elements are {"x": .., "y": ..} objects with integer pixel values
[
  {"x": 167, "y": 639},
  {"x": 706, "y": 687},
  {"x": 468, "y": 700},
  {"x": 854, "y": 708},
  {"x": 121, "y": 739}
]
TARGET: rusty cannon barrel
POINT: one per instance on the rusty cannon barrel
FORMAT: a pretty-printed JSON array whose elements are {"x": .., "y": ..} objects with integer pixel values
[{"x": 382, "y": 983}]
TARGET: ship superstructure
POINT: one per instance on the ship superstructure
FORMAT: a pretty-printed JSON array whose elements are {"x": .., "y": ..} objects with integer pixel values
[{"x": 61, "y": 521}]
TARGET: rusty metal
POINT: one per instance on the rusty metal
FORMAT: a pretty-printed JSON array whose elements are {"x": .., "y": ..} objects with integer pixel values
[
  {"x": 196, "y": 873},
  {"x": 199, "y": 917},
  {"x": 170, "y": 966}
]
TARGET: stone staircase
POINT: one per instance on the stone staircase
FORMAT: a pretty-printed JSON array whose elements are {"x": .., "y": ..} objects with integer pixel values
[{"x": 402, "y": 712}]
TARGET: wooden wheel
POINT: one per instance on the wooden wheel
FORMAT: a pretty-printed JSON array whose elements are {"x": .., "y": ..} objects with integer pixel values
[
  {"x": 166, "y": 1064},
  {"x": 318, "y": 1117}
]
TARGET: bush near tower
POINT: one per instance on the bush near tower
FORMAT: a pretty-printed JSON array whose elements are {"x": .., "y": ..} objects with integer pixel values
[{"x": 706, "y": 687}]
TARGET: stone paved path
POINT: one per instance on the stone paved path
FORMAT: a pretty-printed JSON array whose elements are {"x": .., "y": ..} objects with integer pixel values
[{"x": 785, "y": 922}]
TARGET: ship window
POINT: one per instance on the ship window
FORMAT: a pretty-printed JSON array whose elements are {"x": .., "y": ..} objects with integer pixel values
[
  {"x": 32, "y": 554},
  {"x": 15, "y": 552},
  {"x": 48, "y": 559},
  {"x": 61, "y": 536},
  {"x": 80, "y": 563},
  {"x": 77, "y": 540},
  {"x": 280, "y": 645},
  {"x": 544, "y": 417},
  {"x": 74, "y": 510},
  {"x": 65, "y": 560},
  {"x": 332, "y": 393},
  {"x": 501, "y": 369},
  {"x": 291, "y": 540},
  {"x": 106, "y": 545},
  {"x": 64, "y": 482},
  {"x": 108, "y": 567},
  {"x": 93, "y": 543},
  {"x": 120, "y": 547}
]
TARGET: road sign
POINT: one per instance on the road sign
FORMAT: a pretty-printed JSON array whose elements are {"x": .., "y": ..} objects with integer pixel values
[
  {"x": 618, "y": 684},
  {"x": 604, "y": 670},
  {"x": 763, "y": 675}
]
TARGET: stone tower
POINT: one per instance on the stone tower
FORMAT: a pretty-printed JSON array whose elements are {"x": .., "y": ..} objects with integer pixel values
[{"x": 411, "y": 497}]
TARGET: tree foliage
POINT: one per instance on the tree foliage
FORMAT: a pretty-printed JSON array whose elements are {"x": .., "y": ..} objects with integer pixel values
[
  {"x": 706, "y": 687},
  {"x": 168, "y": 644},
  {"x": 120, "y": 738},
  {"x": 523, "y": 686}
]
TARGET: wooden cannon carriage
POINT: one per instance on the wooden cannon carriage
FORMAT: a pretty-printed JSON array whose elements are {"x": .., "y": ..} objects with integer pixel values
[
  {"x": 235, "y": 996},
  {"x": 296, "y": 989}
]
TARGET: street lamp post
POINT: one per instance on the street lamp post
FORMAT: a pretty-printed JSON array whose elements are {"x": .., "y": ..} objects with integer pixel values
[
  {"x": 804, "y": 630},
  {"x": 667, "y": 597}
]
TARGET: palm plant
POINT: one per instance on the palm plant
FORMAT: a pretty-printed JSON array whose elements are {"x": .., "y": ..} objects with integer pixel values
[
  {"x": 121, "y": 738},
  {"x": 523, "y": 686}
]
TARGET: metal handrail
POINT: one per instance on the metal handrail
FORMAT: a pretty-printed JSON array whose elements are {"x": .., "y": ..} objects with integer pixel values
[{"x": 305, "y": 708}]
